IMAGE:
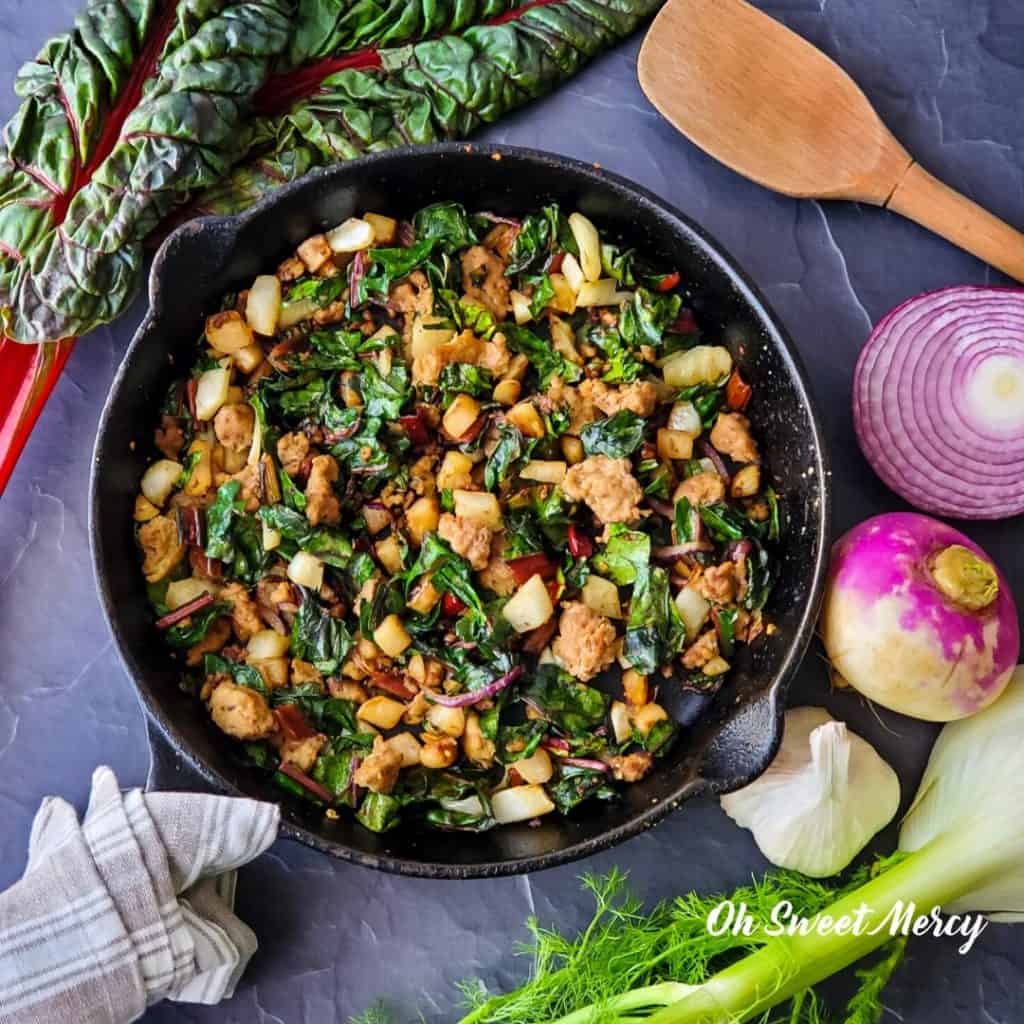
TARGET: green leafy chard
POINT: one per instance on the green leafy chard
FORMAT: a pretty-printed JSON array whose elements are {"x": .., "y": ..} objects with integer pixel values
[
  {"x": 574, "y": 708},
  {"x": 318, "y": 637},
  {"x": 617, "y": 437},
  {"x": 655, "y": 633},
  {"x": 79, "y": 195}
]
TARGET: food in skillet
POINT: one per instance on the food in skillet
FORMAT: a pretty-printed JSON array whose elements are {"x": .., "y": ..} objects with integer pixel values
[{"x": 428, "y": 482}]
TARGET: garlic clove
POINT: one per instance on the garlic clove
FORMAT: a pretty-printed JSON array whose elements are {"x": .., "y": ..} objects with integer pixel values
[{"x": 821, "y": 800}]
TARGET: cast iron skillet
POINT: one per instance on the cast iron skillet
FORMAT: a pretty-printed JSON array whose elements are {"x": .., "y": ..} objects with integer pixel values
[{"x": 726, "y": 742}]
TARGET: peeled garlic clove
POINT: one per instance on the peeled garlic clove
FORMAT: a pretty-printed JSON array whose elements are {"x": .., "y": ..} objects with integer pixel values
[{"x": 821, "y": 800}]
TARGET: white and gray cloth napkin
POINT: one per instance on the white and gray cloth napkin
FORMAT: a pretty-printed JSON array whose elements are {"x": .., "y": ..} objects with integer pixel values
[{"x": 130, "y": 906}]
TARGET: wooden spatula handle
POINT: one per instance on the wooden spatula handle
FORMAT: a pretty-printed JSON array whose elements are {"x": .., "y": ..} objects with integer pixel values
[{"x": 934, "y": 205}]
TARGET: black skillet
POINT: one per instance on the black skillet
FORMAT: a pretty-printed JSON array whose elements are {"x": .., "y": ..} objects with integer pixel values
[{"x": 726, "y": 741}]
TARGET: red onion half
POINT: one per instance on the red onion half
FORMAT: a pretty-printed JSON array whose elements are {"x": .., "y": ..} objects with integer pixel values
[{"x": 938, "y": 402}]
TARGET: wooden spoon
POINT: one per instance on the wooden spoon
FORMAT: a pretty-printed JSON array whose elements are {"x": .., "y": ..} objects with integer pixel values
[{"x": 768, "y": 104}]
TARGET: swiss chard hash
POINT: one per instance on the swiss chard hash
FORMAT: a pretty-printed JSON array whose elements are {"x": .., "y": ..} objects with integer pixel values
[{"x": 425, "y": 486}]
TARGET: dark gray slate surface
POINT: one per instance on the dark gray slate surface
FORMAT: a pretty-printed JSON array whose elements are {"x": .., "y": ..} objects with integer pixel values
[{"x": 948, "y": 76}]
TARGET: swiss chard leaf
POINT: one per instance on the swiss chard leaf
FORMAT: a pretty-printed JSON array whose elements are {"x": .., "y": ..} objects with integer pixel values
[
  {"x": 220, "y": 521},
  {"x": 626, "y": 555},
  {"x": 760, "y": 578},
  {"x": 379, "y": 812},
  {"x": 725, "y": 523},
  {"x": 543, "y": 292},
  {"x": 575, "y": 784},
  {"x": 198, "y": 626},
  {"x": 322, "y": 290},
  {"x": 384, "y": 396},
  {"x": 510, "y": 447},
  {"x": 389, "y": 265},
  {"x": 654, "y": 632},
  {"x": 465, "y": 379},
  {"x": 645, "y": 319},
  {"x": 617, "y": 436},
  {"x": 544, "y": 359},
  {"x": 326, "y": 543},
  {"x": 572, "y": 707},
  {"x": 515, "y": 742},
  {"x": 540, "y": 235},
  {"x": 319, "y": 637},
  {"x": 237, "y": 671},
  {"x": 446, "y": 223},
  {"x": 335, "y": 772}
]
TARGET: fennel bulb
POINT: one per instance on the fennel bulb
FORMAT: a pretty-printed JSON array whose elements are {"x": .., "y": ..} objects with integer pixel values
[{"x": 821, "y": 800}]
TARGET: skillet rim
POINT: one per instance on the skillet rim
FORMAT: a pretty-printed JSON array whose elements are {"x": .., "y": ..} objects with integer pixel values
[{"x": 171, "y": 751}]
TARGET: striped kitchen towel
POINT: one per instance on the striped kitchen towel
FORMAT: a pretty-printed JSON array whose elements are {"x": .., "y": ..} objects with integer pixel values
[{"x": 130, "y": 906}]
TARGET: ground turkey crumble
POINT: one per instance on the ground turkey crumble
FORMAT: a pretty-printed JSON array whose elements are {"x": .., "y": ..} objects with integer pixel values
[
  {"x": 585, "y": 644},
  {"x": 468, "y": 538},
  {"x": 607, "y": 486}
]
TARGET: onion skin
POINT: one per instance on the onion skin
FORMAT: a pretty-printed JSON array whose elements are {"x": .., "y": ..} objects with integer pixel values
[{"x": 894, "y": 636}]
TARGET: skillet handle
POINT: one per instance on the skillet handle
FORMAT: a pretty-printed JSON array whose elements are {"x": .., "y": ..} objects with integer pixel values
[
  {"x": 745, "y": 745},
  {"x": 168, "y": 770}
]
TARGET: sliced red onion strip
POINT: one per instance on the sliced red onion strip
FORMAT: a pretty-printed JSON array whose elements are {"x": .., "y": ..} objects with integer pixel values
[
  {"x": 587, "y": 762},
  {"x": 674, "y": 551},
  {"x": 495, "y": 218},
  {"x": 938, "y": 402},
  {"x": 556, "y": 744},
  {"x": 663, "y": 508},
  {"x": 462, "y": 700},
  {"x": 711, "y": 452},
  {"x": 355, "y": 275}
]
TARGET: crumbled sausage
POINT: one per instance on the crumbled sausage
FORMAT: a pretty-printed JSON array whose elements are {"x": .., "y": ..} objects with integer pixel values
[
  {"x": 468, "y": 538},
  {"x": 170, "y": 438},
  {"x": 501, "y": 238},
  {"x": 585, "y": 644},
  {"x": 497, "y": 575},
  {"x": 314, "y": 252},
  {"x": 217, "y": 635},
  {"x": 494, "y": 355},
  {"x": 465, "y": 347},
  {"x": 413, "y": 294},
  {"x": 161, "y": 546},
  {"x": 579, "y": 406},
  {"x": 379, "y": 770},
  {"x": 718, "y": 583},
  {"x": 702, "y": 650},
  {"x": 632, "y": 767},
  {"x": 422, "y": 479},
  {"x": 240, "y": 711},
  {"x": 305, "y": 672},
  {"x": 302, "y": 753},
  {"x": 245, "y": 613},
  {"x": 291, "y": 269},
  {"x": 640, "y": 397},
  {"x": 233, "y": 426},
  {"x": 607, "y": 486},
  {"x": 731, "y": 436},
  {"x": 250, "y": 489},
  {"x": 271, "y": 592},
  {"x": 292, "y": 450},
  {"x": 333, "y": 313},
  {"x": 701, "y": 489},
  {"x": 412, "y": 297},
  {"x": 484, "y": 280},
  {"x": 322, "y": 504}
]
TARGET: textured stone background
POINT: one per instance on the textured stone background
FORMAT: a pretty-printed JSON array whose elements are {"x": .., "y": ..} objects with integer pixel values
[{"x": 948, "y": 76}]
